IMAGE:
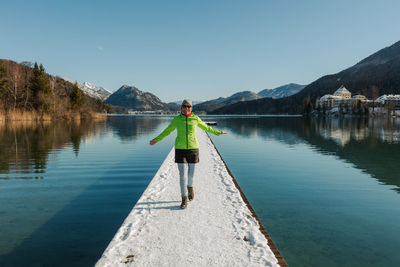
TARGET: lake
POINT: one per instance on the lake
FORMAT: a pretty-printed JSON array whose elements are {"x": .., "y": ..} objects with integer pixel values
[{"x": 326, "y": 190}]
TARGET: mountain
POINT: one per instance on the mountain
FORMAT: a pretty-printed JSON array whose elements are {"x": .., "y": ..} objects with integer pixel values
[
  {"x": 282, "y": 91},
  {"x": 132, "y": 98},
  {"x": 211, "y": 105},
  {"x": 375, "y": 75},
  {"x": 173, "y": 106},
  {"x": 94, "y": 91}
]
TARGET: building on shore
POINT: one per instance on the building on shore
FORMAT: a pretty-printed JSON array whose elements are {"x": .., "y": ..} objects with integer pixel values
[{"x": 342, "y": 103}]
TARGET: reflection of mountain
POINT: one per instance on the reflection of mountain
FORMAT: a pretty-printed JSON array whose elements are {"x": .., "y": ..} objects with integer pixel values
[
  {"x": 371, "y": 145},
  {"x": 130, "y": 127}
]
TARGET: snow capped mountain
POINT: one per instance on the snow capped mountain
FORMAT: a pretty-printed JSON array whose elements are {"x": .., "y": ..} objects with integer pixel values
[
  {"x": 94, "y": 91},
  {"x": 282, "y": 91}
]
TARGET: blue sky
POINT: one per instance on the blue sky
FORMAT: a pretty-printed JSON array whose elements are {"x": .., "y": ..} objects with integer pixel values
[{"x": 196, "y": 49}]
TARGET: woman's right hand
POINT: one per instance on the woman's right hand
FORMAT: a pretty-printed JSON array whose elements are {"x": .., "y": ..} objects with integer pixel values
[{"x": 153, "y": 142}]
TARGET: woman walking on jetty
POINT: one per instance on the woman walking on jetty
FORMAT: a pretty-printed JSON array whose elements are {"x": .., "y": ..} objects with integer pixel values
[{"x": 186, "y": 145}]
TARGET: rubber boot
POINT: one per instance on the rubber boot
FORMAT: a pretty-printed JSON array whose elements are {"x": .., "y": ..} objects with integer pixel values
[
  {"x": 184, "y": 202},
  {"x": 191, "y": 193}
]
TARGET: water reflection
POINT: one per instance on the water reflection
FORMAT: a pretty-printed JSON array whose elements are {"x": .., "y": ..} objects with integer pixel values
[
  {"x": 81, "y": 177},
  {"x": 128, "y": 128},
  {"x": 26, "y": 146},
  {"x": 343, "y": 130},
  {"x": 282, "y": 129},
  {"x": 372, "y": 145}
]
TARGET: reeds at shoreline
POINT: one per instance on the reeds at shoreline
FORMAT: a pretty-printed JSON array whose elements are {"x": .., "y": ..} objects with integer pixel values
[{"x": 19, "y": 115}]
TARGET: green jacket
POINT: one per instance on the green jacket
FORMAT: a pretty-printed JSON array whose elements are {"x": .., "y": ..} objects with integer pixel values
[{"x": 186, "y": 137}]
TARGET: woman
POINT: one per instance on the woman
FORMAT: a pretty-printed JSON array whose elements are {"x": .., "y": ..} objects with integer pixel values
[{"x": 186, "y": 145}]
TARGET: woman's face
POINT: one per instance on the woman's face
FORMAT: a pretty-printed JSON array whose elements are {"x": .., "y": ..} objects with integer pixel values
[{"x": 186, "y": 109}]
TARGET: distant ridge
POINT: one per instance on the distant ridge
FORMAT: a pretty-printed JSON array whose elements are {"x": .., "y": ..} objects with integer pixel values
[
  {"x": 214, "y": 104},
  {"x": 375, "y": 75},
  {"x": 278, "y": 92}
]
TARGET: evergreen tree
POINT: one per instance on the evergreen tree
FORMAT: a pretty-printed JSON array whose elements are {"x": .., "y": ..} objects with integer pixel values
[
  {"x": 40, "y": 88},
  {"x": 39, "y": 81},
  {"x": 76, "y": 97}
]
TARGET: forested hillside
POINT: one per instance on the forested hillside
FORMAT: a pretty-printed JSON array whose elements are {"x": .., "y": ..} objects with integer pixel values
[{"x": 26, "y": 88}]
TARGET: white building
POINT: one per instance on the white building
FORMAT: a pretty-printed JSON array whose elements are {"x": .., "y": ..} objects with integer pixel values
[
  {"x": 340, "y": 98},
  {"x": 386, "y": 100}
]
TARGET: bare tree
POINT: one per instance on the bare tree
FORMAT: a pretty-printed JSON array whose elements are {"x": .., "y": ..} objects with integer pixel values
[{"x": 375, "y": 95}]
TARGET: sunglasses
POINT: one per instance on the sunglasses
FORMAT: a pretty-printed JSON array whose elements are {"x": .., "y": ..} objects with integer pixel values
[{"x": 186, "y": 106}]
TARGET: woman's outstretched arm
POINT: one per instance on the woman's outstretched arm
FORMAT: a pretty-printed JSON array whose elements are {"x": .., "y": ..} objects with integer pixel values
[
  {"x": 202, "y": 125},
  {"x": 171, "y": 127}
]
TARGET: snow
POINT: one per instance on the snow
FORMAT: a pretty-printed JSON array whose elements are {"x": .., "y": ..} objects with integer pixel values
[{"x": 216, "y": 229}]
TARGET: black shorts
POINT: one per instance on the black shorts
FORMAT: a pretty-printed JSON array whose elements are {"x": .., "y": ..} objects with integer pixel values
[{"x": 186, "y": 155}]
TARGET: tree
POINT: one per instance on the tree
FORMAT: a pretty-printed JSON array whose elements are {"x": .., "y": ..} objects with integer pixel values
[
  {"x": 307, "y": 106},
  {"x": 375, "y": 95},
  {"x": 76, "y": 97},
  {"x": 39, "y": 81},
  {"x": 40, "y": 88}
]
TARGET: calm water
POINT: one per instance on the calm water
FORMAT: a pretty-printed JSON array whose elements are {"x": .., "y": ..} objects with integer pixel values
[{"x": 327, "y": 191}]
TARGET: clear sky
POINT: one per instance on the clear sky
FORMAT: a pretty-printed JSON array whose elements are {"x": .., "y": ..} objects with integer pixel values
[{"x": 196, "y": 49}]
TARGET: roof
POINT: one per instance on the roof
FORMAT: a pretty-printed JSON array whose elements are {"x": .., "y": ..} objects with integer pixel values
[{"x": 342, "y": 90}]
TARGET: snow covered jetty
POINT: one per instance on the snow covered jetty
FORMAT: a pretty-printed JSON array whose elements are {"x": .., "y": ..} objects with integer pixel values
[{"x": 218, "y": 228}]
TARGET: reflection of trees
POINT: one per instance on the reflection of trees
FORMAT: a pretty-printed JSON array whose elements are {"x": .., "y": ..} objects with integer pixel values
[
  {"x": 25, "y": 146},
  {"x": 131, "y": 127},
  {"x": 371, "y": 145}
]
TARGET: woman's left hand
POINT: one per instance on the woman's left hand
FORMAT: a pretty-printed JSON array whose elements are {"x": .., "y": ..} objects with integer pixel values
[
  {"x": 152, "y": 142},
  {"x": 223, "y": 132}
]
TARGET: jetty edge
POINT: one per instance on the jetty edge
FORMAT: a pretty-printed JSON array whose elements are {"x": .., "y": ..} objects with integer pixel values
[
  {"x": 218, "y": 228},
  {"x": 271, "y": 244}
]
